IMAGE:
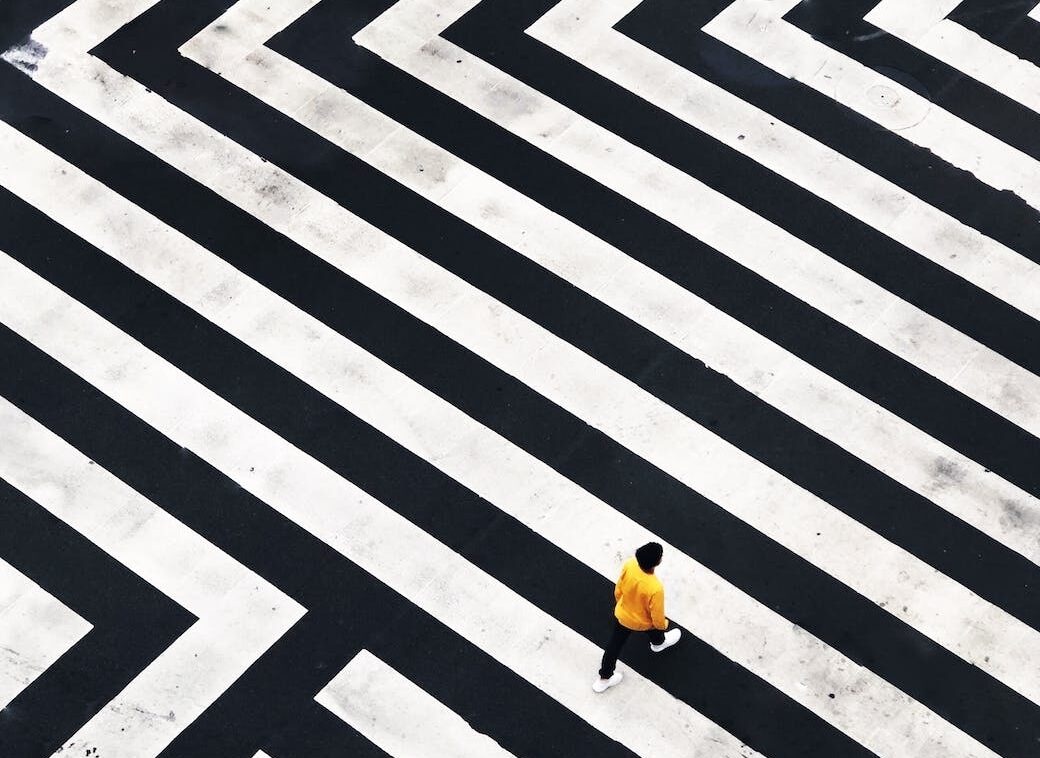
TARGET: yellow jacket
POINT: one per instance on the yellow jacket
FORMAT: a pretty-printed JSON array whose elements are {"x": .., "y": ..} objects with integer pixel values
[{"x": 640, "y": 599}]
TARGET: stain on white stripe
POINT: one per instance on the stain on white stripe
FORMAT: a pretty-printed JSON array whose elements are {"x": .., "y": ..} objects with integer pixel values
[
  {"x": 808, "y": 395},
  {"x": 239, "y": 614},
  {"x": 757, "y": 29},
  {"x": 399, "y": 716},
  {"x": 438, "y": 580},
  {"x": 583, "y": 29},
  {"x": 36, "y": 629},
  {"x": 923, "y": 23},
  {"x": 739, "y": 627},
  {"x": 938, "y": 607}
]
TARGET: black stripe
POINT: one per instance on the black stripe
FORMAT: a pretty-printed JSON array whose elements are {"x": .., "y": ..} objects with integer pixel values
[
  {"x": 337, "y": 623},
  {"x": 132, "y": 621},
  {"x": 19, "y": 17},
  {"x": 418, "y": 358},
  {"x": 1005, "y": 24},
  {"x": 673, "y": 28},
  {"x": 840, "y": 25}
]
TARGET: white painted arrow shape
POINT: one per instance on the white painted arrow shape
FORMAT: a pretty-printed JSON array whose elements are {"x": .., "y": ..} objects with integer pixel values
[
  {"x": 239, "y": 614},
  {"x": 36, "y": 629}
]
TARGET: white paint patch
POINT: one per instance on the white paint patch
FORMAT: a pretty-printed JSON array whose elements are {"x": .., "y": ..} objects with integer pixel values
[
  {"x": 36, "y": 629},
  {"x": 26, "y": 56},
  {"x": 399, "y": 716}
]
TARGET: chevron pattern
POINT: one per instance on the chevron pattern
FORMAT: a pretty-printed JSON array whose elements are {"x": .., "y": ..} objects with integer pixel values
[{"x": 352, "y": 346}]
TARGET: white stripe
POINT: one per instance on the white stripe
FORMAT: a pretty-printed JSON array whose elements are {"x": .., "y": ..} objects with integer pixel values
[
  {"x": 240, "y": 614},
  {"x": 36, "y": 629},
  {"x": 923, "y": 24},
  {"x": 912, "y": 19},
  {"x": 406, "y": 35},
  {"x": 1035, "y": 13},
  {"x": 583, "y": 29},
  {"x": 439, "y": 581},
  {"x": 399, "y": 716},
  {"x": 726, "y": 618},
  {"x": 940, "y": 608},
  {"x": 757, "y": 28}
]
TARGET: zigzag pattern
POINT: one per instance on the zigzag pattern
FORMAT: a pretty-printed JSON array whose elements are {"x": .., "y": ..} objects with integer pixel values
[{"x": 352, "y": 346}]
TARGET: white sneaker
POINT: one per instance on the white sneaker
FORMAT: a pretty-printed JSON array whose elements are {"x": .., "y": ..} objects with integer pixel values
[
  {"x": 670, "y": 638},
  {"x": 602, "y": 685}
]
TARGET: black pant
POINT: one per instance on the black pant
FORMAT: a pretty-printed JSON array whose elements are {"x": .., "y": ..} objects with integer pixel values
[{"x": 617, "y": 640}]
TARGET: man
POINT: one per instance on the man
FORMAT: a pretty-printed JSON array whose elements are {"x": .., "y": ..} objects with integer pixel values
[{"x": 639, "y": 597}]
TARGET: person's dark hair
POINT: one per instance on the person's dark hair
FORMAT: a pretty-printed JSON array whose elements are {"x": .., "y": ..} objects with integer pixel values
[{"x": 649, "y": 555}]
